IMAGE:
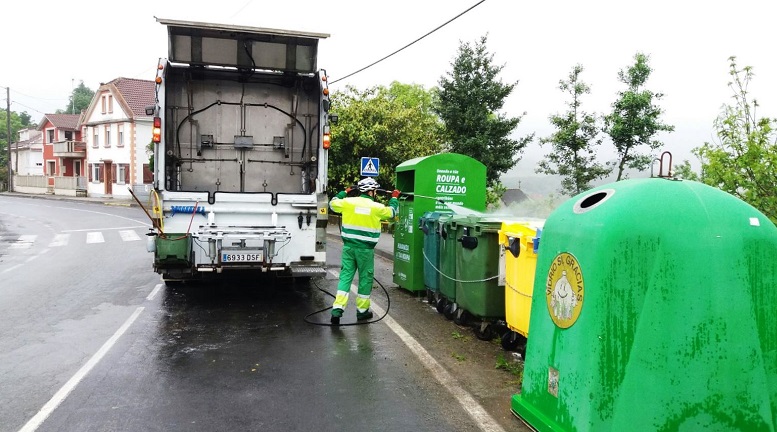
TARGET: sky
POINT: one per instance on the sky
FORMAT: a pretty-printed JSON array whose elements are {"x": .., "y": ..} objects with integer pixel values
[{"x": 60, "y": 44}]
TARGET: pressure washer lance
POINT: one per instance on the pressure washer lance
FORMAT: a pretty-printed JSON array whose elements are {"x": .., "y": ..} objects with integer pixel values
[{"x": 410, "y": 194}]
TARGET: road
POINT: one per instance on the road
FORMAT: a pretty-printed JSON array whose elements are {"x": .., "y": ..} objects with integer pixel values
[{"x": 90, "y": 339}]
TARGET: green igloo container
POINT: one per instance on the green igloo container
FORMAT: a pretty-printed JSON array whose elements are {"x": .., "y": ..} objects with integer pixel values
[{"x": 654, "y": 309}]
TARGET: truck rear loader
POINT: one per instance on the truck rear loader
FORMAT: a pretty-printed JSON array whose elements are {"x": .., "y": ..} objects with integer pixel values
[{"x": 241, "y": 132}]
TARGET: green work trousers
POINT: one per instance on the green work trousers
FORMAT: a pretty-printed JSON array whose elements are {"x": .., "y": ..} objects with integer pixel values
[{"x": 361, "y": 259}]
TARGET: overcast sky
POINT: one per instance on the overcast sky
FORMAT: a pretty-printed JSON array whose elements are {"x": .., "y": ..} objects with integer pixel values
[{"x": 46, "y": 51}]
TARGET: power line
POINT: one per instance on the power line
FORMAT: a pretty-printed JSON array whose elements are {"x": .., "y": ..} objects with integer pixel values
[
  {"x": 411, "y": 43},
  {"x": 39, "y": 98},
  {"x": 28, "y": 107}
]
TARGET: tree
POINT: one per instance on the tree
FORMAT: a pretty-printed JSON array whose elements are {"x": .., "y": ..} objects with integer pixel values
[
  {"x": 573, "y": 155},
  {"x": 18, "y": 122},
  {"x": 79, "y": 100},
  {"x": 634, "y": 121},
  {"x": 743, "y": 162},
  {"x": 394, "y": 124},
  {"x": 685, "y": 171},
  {"x": 469, "y": 99}
]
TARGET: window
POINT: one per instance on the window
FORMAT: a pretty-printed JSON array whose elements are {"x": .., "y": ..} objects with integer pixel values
[
  {"x": 96, "y": 142},
  {"x": 50, "y": 135},
  {"x": 110, "y": 103},
  {"x": 68, "y": 135},
  {"x": 122, "y": 174},
  {"x": 120, "y": 138},
  {"x": 102, "y": 100},
  {"x": 95, "y": 173},
  {"x": 50, "y": 167},
  {"x": 107, "y": 135}
]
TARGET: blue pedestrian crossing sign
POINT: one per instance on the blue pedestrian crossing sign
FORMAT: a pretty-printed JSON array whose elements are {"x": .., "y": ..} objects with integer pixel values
[{"x": 370, "y": 167}]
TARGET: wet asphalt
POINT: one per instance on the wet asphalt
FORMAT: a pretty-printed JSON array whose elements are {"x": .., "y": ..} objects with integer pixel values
[{"x": 235, "y": 354}]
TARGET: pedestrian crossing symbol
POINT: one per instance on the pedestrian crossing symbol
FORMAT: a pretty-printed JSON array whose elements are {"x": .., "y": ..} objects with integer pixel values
[{"x": 370, "y": 167}]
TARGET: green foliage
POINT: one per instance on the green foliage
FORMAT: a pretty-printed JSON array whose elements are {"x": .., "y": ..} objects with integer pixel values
[
  {"x": 494, "y": 194},
  {"x": 469, "y": 101},
  {"x": 515, "y": 368},
  {"x": 743, "y": 162},
  {"x": 573, "y": 154},
  {"x": 79, "y": 100},
  {"x": 150, "y": 152},
  {"x": 394, "y": 124},
  {"x": 685, "y": 172},
  {"x": 458, "y": 336},
  {"x": 634, "y": 121},
  {"x": 18, "y": 122},
  {"x": 458, "y": 357}
]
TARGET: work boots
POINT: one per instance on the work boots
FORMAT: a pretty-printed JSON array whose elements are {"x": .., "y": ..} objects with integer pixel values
[
  {"x": 336, "y": 314},
  {"x": 364, "y": 315}
]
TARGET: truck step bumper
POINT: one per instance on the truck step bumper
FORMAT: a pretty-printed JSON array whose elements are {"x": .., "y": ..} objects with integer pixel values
[{"x": 305, "y": 271}]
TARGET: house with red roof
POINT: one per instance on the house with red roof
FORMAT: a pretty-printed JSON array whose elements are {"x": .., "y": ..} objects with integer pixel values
[
  {"x": 64, "y": 153},
  {"x": 117, "y": 133}
]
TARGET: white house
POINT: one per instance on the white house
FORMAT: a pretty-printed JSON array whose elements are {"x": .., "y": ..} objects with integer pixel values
[
  {"x": 117, "y": 132},
  {"x": 27, "y": 153}
]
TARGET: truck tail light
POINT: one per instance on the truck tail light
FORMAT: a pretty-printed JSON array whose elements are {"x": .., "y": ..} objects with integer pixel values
[
  {"x": 327, "y": 141},
  {"x": 157, "y": 130}
]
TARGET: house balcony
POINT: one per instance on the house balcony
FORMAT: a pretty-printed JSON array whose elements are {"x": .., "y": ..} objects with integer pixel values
[{"x": 71, "y": 149}]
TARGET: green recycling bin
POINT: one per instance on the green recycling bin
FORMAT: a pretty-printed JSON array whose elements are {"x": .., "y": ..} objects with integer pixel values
[
  {"x": 653, "y": 309},
  {"x": 431, "y": 252},
  {"x": 478, "y": 290},
  {"x": 447, "y": 277},
  {"x": 445, "y": 182}
]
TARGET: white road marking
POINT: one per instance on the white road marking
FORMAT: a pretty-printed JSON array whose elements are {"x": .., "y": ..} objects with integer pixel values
[
  {"x": 154, "y": 292},
  {"x": 60, "y": 240},
  {"x": 23, "y": 242},
  {"x": 129, "y": 235},
  {"x": 470, "y": 405},
  {"x": 106, "y": 229},
  {"x": 11, "y": 268},
  {"x": 71, "y": 384},
  {"x": 95, "y": 237}
]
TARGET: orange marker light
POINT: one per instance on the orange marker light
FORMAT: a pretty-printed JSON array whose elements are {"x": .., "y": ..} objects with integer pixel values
[
  {"x": 326, "y": 92},
  {"x": 158, "y": 80},
  {"x": 327, "y": 141}
]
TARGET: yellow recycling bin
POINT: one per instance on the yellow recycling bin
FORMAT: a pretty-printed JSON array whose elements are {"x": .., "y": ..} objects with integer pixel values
[{"x": 520, "y": 241}]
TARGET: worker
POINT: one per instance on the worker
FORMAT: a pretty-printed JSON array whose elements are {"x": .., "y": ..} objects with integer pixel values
[{"x": 361, "y": 222}]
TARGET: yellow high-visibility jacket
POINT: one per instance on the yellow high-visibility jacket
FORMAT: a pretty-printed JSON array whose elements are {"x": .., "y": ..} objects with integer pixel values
[{"x": 361, "y": 218}]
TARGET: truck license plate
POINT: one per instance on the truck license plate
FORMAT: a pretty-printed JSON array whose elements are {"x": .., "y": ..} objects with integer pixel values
[{"x": 253, "y": 256}]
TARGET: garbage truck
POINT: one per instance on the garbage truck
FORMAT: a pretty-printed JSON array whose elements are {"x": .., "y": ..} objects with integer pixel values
[{"x": 240, "y": 137}]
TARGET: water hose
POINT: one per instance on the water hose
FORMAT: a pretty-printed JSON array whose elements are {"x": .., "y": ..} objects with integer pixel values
[{"x": 325, "y": 324}]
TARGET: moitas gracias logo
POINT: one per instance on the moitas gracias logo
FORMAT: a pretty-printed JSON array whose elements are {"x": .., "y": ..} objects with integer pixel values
[{"x": 564, "y": 290}]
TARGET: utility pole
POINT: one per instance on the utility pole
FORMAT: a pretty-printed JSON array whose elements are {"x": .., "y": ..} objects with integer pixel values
[{"x": 8, "y": 141}]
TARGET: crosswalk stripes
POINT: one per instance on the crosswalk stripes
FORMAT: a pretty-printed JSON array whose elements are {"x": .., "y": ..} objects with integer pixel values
[
  {"x": 60, "y": 240},
  {"x": 129, "y": 235},
  {"x": 23, "y": 242},
  {"x": 95, "y": 237},
  {"x": 63, "y": 239}
]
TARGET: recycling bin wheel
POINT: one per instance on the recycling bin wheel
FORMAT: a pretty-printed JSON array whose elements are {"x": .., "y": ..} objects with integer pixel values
[
  {"x": 484, "y": 331},
  {"x": 450, "y": 310},
  {"x": 441, "y": 303}
]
